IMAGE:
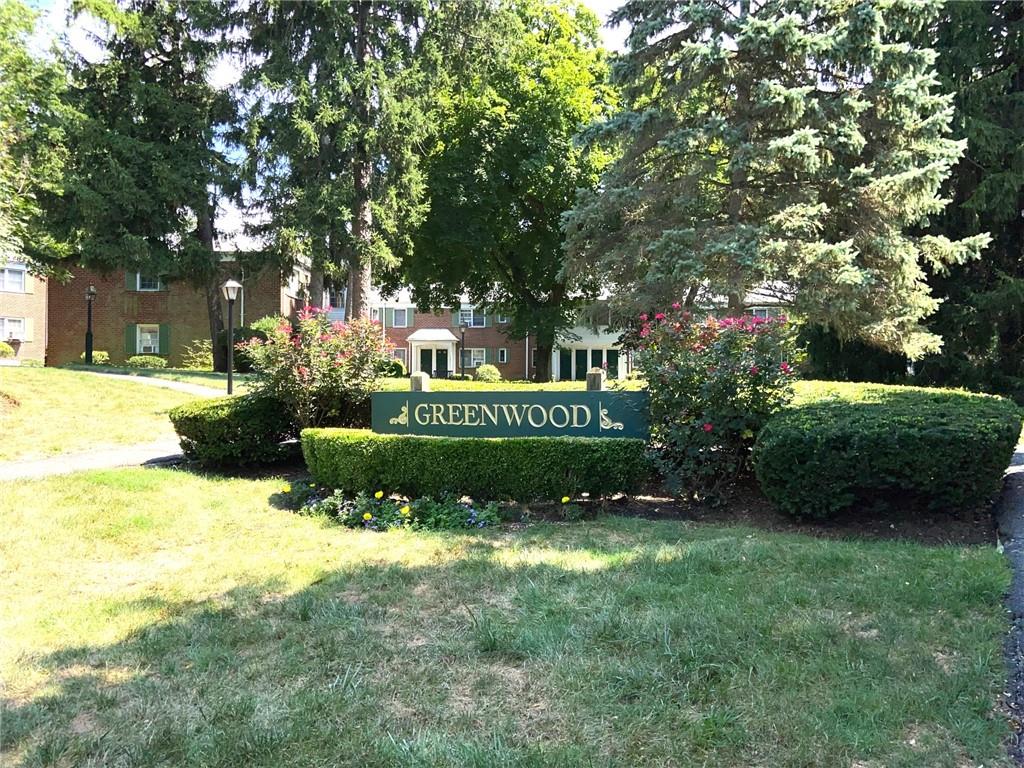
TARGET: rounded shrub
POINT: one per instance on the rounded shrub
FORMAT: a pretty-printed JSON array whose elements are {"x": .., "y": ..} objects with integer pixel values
[
  {"x": 394, "y": 369},
  {"x": 99, "y": 357},
  {"x": 487, "y": 373},
  {"x": 234, "y": 430},
  {"x": 6, "y": 350},
  {"x": 519, "y": 468},
  {"x": 146, "y": 361},
  {"x": 899, "y": 447}
]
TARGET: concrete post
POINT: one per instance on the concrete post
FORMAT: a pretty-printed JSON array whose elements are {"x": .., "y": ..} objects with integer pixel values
[
  {"x": 419, "y": 382},
  {"x": 595, "y": 380}
]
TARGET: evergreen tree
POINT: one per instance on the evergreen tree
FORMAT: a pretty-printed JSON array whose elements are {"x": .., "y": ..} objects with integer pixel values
[
  {"x": 146, "y": 167},
  {"x": 794, "y": 144},
  {"x": 981, "y": 320},
  {"x": 505, "y": 165}
]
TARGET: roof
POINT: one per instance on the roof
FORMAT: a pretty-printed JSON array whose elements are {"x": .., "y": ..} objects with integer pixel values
[{"x": 432, "y": 334}]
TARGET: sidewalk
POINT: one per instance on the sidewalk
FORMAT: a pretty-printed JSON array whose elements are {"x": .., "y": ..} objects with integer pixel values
[
  {"x": 180, "y": 386},
  {"x": 1010, "y": 519},
  {"x": 148, "y": 454}
]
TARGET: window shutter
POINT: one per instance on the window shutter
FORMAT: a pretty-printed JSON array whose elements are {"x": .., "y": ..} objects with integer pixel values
[
  {"x": 408, "y": 316},
  {"x": 130, "y": 281},
  {"x": 131, "y": 336},
  {"x": 492, "y": 355},
  {"x": 389, "y": 317},
  {"x": 488, "y": 321},
  {"x": 29, "y": 283},
  {"x": 455, "y": 319},
  {"x": 165, "y": 339},
  {"x": 27, "y": 333}
]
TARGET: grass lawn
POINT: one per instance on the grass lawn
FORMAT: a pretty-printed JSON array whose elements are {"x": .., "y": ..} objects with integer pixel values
[
  {"x": 161, "y": 618},
  {"x": 48, "y": 411},
  {"x": 210, "y": 379}
]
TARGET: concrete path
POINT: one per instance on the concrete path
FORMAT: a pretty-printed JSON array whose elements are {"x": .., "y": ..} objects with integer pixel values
[
  {"x": 1010, "y": 519},
  {"x": 181, "y": 386},
  {"x": 148, "y": 454}
]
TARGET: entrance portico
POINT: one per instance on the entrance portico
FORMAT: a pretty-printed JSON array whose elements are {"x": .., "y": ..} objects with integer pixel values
[{"x": 433, "y": 351}]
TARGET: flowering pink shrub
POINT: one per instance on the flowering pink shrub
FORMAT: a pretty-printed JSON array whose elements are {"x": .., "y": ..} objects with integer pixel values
[
  {"x": 321, "y": 372},
  {"x": 713, "y": 384}
]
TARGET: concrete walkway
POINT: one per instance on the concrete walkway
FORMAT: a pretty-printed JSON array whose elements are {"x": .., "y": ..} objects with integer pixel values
[
  {"x": 1010, "y": 519},
  {"x": 181, "y": 386}
]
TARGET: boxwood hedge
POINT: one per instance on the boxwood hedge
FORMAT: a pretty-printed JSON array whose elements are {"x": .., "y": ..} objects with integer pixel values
[
  {"x": 234, "y": 430},
  {"x": 519, "y": 468},
  {"x": 892, "y": 446}
]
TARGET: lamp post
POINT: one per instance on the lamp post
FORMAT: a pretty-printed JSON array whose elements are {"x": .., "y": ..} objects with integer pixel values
[
  {"x": 462, "y": 350},
  {"x": 230, "y": 290},
  {"x": 90, "y": 297}
]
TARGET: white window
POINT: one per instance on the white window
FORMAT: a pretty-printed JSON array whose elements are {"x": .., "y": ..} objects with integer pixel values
[
  {"x": 468, "y": 316},
  {"x": 144, "y": 282},
  {"x": 12, "y": 328},
  {"x": 504, "y": 319},
  {"x": 400, "y": 354},
  {"x": 401, "y": 318},
  {"x": 502, "y": 355},
  {"x": 149, "y": 339},
  {"x": 375, "y": 314},
  {"x": 763, "y": 312},
  {"x": 475, "y": 356},
  {"x": 12, "y": 278}
]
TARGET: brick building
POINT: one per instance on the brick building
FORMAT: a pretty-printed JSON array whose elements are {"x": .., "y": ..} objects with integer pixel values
[{"x": 23, "y": 300}]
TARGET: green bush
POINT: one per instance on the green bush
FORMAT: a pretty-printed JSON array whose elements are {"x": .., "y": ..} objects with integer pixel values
[
  {"x": 99, "y": 357},
  {"x": 378, "y": 512},
  {"x": 6, "y": 350},
  {"x": 394, "y": 369},
  {"x": 901, "y": 447},
  {"x": 488, "y": 373},
  {"x": 146, "y": 361},
  {"x": 198, "y": 355},
  {"x": 234, "y": 430},
  {"x": 520, "y": 468}
]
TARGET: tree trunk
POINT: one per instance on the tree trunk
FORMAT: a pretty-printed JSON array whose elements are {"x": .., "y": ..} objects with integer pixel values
[
  {"x": 545, "y": 344},
  {"x": 360, "y": 268},
  {"x": 316, "y": 288},
  {"x": 738, "y": 182},
  {"x": 211, "y": 288}
]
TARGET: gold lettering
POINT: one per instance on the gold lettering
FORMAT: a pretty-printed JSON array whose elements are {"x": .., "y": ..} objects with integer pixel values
[
  {"x": 472, "y": 415},
  {"x": 438, "y": 413},
  {"x": 560, "y": 409},
  {"x": 488, "y": 411},
  {"x": 517, "y": 411},
  {"x": 575, "y": 416},
  {"x": 543, "y": 416},
  {"x": 424, "y": 417}
]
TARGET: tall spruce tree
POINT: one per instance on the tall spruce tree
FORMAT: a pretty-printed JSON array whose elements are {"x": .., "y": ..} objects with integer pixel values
[
  {"x": 786, "y": 143},
  {"x": 981, "y": 320},
  {"x": 505, "y": 165},
  {"x": 146, "y": 167}
]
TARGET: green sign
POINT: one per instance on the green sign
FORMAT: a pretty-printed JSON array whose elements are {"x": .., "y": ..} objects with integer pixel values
[{"x": 511, "y": 414}]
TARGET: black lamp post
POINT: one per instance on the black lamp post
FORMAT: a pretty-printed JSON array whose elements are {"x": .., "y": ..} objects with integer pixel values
[
  {"x": 230, "y": 290},
  {"x": 462, "y": 350},
  {"x": 90, "y": 297}
]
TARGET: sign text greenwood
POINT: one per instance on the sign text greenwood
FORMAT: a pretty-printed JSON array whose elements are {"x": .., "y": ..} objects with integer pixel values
[{"x": 511, "y": 414}]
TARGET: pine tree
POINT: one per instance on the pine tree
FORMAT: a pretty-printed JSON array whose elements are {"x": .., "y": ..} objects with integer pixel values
[{"x": 794, "y": 144}]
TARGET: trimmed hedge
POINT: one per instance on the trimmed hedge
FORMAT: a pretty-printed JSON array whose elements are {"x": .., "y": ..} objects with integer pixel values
[
  {"x": 146, "y": 361},
  {"x": 520, "y": 468},
  {"x": 905, "y": 447},
  {"x": 234, "y": 430}
]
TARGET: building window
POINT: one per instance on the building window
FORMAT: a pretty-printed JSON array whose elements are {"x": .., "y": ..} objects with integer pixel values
[
  {"x": 503, "y": 319},
  {"x": 399, "y": 354},
  {"x": 533, "y": 357},
  {"x": 503, "y": 355},
  {"x": 401, "y": 318},
  {"x": 12, "y": 278},
  {"x": 144, "y": 282},
  {"x": 468, "y": 316},
  {"x": 149, "y": 340},
  {"x": 475, "y": 356},
  {"x": 12, "y": 328},
  {"x": 763, "y": 312},
  {"x": 375, "y": 314}
]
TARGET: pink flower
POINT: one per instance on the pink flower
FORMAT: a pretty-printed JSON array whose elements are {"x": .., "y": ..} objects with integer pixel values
[
  {"x": 785, "y": 367},
  {"x": 676, "y": 305},
  {"x": 645, "y": 331},
  {"x": 708, "y": 426},
  {"x": 303, "y": 371},
  {"x": 660, "y": 316},
  {"x": 338, "y": 325},
  {"x": 754, "y": 370},
  {"x": 643, "y": 317}
]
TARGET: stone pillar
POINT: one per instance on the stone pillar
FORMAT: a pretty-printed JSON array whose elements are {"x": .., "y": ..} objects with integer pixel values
[
  {"x": 419, "y": 382},
  {"x": 595, "y": 380}
]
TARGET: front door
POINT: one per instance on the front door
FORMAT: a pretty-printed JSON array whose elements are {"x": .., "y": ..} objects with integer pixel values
[
  {"x": 427, "y": 361},
  {"x": 442, "y": 363},
  {"x": 581, "y": 365},
  {"x": 564, "y": 364}
]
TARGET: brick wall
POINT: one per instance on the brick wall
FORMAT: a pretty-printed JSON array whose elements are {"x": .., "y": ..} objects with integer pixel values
[
  {"x": 179, "y": 308},
  {"x": 30, "y": 307}
]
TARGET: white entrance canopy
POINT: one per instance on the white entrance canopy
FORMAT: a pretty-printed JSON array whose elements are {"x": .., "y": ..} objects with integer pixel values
[{"x": 435, "y": 335}]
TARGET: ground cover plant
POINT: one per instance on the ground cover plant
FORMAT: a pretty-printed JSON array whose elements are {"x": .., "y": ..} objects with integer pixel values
[
  {"x": 48, "y": 411},
  {"x": 188, "y": 621}
]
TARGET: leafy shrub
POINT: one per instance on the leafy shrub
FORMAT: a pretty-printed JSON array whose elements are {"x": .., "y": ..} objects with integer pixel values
[
  {"x": 488, "y": 373},
  {"x": 6, "y": 350},
  {"x": 521, "y": 468},
  {"x": 99, "y": 357},
  {"x": 234, "y": 430},
  {"x": 379, "y": 513},
  {"x": 198, "y": 356},
  {"x": 322, "y": 372},
  {"x": 146, "y": 361},
  {"x": 894, "y": 446},
  {"x": 394, "y": 369},
  {"x": 713, "y": 384},
  {"x": 269, "y": 325},
  {"x": 240, "y": 358}
]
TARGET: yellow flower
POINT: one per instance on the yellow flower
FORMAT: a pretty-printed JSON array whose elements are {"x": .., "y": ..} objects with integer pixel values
[
  {"x": 565, "y": 499},
  {"x": 747, "y": 434},
  {"x": 405, "y": 510},
  {"x": 367, "y": 516},
  {"x": 286, "y": 488},
  {"x": 379, "y": 495}
]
